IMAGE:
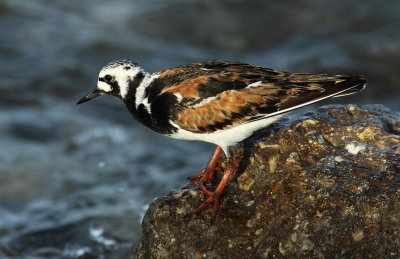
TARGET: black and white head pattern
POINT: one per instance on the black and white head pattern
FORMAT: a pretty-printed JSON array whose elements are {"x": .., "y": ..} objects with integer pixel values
[{"x": 114, "y": 78}]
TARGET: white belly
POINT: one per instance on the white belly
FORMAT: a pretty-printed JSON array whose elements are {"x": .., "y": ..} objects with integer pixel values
[{"x": 225, "y": 138}]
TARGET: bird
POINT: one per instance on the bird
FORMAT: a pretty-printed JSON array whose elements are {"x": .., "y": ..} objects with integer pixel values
[{"x": 219, "y": 102}]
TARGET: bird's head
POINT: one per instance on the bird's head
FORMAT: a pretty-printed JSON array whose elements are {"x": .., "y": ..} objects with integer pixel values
[{"x": 114, "y": 79}]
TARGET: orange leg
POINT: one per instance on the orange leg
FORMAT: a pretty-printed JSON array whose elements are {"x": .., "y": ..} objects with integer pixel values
[
  {"x": 207, "y": 174},
  {"x": 215, "y": 195}
]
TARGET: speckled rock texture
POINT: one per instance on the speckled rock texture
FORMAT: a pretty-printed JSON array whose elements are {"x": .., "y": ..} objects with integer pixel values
[{"x": 322, "y": 185}]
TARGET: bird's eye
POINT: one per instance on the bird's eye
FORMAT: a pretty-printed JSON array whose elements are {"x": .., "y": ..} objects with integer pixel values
[{"x": 108, "y": 78}]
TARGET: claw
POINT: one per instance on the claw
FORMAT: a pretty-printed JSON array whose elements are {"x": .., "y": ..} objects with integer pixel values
[{"x": 206, "y": 175}]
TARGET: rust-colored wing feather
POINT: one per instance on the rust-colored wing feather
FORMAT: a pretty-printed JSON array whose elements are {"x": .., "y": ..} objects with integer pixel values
[{"x": 219, "y": 95}]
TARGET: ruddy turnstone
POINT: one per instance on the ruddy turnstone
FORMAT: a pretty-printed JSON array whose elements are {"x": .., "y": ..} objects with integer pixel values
[{"x": 215, "y": 101}]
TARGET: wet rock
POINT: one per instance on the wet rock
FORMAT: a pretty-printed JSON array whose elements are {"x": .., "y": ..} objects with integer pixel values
[{"x": 326, "y": 184}]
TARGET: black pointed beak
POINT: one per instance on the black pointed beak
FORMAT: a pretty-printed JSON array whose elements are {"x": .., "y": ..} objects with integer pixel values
[{"x": 93, "y": 94}]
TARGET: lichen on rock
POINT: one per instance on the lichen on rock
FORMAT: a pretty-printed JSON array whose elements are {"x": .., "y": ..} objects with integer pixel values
[{"x": 326, "y": 184}]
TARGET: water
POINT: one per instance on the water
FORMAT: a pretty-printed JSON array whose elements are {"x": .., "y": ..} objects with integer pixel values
[{"x": 75, "y": 180}]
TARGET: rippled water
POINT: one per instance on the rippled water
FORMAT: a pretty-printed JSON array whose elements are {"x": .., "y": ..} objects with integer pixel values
[{"x": 76, "y": 180}]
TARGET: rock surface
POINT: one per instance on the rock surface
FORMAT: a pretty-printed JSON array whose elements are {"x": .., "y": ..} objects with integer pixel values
[{"x": 326, "y": 184}]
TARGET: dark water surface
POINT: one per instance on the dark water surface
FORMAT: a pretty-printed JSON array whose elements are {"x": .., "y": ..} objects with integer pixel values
[{"x": 75, "y": 180}]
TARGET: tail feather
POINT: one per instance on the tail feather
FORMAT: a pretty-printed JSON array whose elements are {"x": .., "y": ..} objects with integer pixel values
[
  {"x": 359, "y": 84},
  {"x": 311, "y": 89}
]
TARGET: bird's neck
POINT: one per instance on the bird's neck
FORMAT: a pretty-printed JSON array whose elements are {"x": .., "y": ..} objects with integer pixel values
[{"x": 141, "y": 90}]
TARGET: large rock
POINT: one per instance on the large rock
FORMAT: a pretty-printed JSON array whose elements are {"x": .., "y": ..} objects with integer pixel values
[{"x": 326, "y": 184}]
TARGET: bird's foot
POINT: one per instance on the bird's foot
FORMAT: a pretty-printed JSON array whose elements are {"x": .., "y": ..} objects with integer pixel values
[
  {"x": 215, "y": 196},
  {"x": 207, "y": 174}
]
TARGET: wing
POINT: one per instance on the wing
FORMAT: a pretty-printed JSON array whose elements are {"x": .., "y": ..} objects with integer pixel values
[
  {"x": 219, "y": 95},
  {"x": 207, "y": 79}
]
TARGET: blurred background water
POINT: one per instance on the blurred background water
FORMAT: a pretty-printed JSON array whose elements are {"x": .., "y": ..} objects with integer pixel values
[{"x": 75, "y": 181}]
